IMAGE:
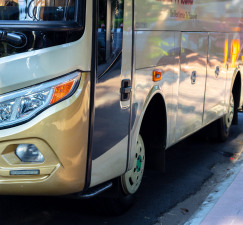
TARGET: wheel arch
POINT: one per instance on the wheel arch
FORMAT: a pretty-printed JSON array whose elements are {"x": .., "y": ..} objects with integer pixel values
[{"x": 153, "y": 130}]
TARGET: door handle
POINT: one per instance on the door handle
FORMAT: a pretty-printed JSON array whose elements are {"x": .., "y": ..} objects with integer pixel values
[
  {"x": 125, "y": 90},
  {"x": 194, "y": 77},
  {"x": 217, "y": 72}
]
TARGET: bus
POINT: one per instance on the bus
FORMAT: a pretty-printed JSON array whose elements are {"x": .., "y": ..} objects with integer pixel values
[{"x": 91, "y": 91}]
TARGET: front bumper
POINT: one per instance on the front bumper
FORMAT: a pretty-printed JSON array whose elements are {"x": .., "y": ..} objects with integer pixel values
[{"x": 61, "y": 134}]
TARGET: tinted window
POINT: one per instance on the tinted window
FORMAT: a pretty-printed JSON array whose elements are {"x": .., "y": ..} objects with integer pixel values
[
  {"x": 37, "y": 10},
  {"x": 110, "y": 32}
]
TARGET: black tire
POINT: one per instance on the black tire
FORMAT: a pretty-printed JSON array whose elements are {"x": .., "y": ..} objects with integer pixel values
[
  {"x": 223, "y": 129},
  {"x": 114, "y": 206}
]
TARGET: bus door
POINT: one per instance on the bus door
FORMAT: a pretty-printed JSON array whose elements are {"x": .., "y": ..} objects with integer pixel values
[
  {"x": 112, "y": 101},
  {"x": 216, "y": 77},
  {"x": 191, "y": 83}
]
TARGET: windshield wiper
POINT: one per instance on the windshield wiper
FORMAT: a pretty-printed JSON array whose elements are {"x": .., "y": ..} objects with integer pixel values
[{"x": 16, "y": 40}]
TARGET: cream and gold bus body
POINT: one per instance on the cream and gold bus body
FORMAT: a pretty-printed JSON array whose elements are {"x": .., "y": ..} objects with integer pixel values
[{"x": 156, "y": 69}]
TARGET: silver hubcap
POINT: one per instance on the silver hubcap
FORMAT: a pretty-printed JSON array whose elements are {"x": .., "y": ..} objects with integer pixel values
[
  {"x": 229, "y": 116},
  {"x": 132, "y": 179}
]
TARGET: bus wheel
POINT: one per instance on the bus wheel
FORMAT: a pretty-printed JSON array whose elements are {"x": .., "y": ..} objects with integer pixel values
[
  {"x": 132, "y": 179},
  {"x": 226, "y": 121},
  {"x": 129, "y": 184}
]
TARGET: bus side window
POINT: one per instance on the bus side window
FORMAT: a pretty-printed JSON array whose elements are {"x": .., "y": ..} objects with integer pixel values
[{"x": 110, "y": 32}]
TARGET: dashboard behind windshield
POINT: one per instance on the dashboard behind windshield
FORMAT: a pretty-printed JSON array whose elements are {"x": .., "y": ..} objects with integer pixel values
[
  {"x": 41, "y": 24},
  {"x": 37, "y": 10}
]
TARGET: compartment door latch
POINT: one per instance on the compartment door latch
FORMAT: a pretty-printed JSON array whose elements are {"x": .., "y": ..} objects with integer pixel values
[{"x": 125, "y": 90}]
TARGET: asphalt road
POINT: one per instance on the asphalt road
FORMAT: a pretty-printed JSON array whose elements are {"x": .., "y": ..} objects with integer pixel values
[{"x": 189, "y": 165}]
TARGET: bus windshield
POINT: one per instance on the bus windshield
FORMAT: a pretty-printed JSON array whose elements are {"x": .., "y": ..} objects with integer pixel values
[{"x": 37, "y": 10}]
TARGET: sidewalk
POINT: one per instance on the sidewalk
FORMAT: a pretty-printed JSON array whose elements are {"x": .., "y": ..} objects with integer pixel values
[{"x": 228, "y": 209}]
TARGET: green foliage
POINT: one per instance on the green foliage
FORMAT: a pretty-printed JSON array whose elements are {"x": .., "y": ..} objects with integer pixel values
[
  {"x": 117, "y": 12},
  {"x": 118, "y": 23}
]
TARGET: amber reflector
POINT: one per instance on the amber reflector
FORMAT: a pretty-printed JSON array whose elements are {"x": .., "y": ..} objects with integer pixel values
[
  {"x": 61, "y": 91},
  {"x": 157, "y": 75}
]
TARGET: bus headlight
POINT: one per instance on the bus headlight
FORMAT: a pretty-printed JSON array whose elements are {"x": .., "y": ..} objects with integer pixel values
[{"x": 19, "y": 106}]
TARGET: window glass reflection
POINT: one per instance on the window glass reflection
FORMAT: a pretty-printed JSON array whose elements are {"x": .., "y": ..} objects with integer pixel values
[
  {"x": 110, "y": 32},
  {"x": 37, "y": 10}
]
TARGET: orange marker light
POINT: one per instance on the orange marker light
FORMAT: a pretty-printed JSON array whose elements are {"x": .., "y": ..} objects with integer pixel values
[
  {"x": 157, "y": 75},
  {"x": 61, "y": 91}
]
